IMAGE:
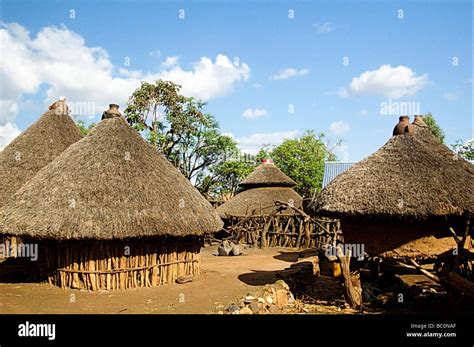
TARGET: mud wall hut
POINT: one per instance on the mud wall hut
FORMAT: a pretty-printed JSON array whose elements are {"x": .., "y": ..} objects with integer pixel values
[
  {"x": 401, "y": 200},
  {"x": 110, "y": 212}
]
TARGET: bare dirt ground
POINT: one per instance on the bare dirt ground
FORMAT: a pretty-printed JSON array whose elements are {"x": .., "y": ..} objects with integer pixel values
[{"x": 223, "y": 280}]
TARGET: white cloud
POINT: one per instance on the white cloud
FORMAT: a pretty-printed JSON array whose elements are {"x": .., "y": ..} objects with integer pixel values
[
  {"x": 8, "y": 109},
  {"x": 170, "y": 62},
  {"x": 252, "y": 144},
  {"x": 288, "y": 73},
  {"x": 363, "y": 112},
  {"x": 207, "y": 79},
  {"x": 130, "y": 73},
  {"x": 391, "y": 82},
  {"x": 256, "y": 113},
  {"x": 324, "y": 28},
  {"x": 8, "y": 132},
  {"x": 257, "y": 86},
  {"x": 339, "y": 128},
  {"x": 60, "y": 59},
  {"x": 451, "y": 96}
]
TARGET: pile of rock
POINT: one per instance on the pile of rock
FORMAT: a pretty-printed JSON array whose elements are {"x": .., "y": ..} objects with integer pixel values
[
  {"x": 274, "y": 299},
  {"x": 229, "y": 248}
]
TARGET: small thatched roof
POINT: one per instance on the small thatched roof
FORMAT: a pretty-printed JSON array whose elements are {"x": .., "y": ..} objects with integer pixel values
[
  {"x": 260, "y": 201},
  {"x": 34, "y": 148},
  {"x": 267, "y": 174},
  {"x": 407, "y": 178},
  {"x": 109, "y": 185}
]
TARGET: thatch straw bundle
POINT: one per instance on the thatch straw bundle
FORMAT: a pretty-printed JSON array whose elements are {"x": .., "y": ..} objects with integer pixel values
[
  {"x": 33, "y": 149},
  {"x": 109, "y": 185}
]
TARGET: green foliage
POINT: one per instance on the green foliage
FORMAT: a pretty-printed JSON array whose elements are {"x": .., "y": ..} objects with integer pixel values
[
  {"x": 303, "y": 159},
  {"x": 264, "y": 153},
  {"x": 464, "y": 150},
  {"x": 83, "y": 128},
  {"x": 226, "y": 177},
  {"x": 434, "y": 127},
  {"x": 187, "y": 136}
]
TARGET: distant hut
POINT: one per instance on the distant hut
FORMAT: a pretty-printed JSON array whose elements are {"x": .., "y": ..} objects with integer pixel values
[
  {"x": 268, "y": 212},
  {"x": 34, "y": 148},
  {"x": 111, "y": 213},
  {"x": 400, "y": 201},
  {"x": 265, "y": 185}
]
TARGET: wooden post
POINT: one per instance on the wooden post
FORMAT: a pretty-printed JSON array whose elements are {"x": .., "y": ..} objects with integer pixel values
[
  {"x": 263, "y": 239},
  {"x": 352, "y": 287}
]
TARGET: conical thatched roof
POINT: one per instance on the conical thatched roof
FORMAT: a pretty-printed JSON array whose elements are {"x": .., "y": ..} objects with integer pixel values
[
  {"x": 267, "y": 174},
  {"x": 406, "y": 178},
  {"x": 260, "y": 201},
  {"x": 265, "y": 185},
  {"x": 109, "y": 185},
  {"x": 34, "y": 148}
]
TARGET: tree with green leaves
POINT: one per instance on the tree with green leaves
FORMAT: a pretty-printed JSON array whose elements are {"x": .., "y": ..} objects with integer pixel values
[
  {"x": 303, "y": 159},
  {"x": 83, "y": 128},
  {"x": 179, "y": 128},
  {"x": 464, "y": 149},
  {"x": 434, "y": 127},
  {"x": 224, "y": 178}
]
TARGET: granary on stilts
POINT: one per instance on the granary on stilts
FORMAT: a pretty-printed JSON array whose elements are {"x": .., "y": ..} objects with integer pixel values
[
  {"x": 268, "y": 212},
  {"x": 400, "y": 201},
  {"x": 111, "y": 213},
  {"x": 33, "y": 149}
]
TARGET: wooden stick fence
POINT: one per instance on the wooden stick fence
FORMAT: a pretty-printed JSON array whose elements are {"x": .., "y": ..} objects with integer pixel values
[
  {"x": 296, "y": 230},
  {"x": 110, "y": 265}
]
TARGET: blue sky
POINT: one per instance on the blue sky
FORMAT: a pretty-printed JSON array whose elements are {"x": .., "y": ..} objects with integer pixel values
[{"x": 333, "y": 63}]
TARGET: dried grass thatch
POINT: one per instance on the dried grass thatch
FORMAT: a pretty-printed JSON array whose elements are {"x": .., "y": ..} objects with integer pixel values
[
  {"x": 259, "y": 202},
  {"x": 109, "y": 185},
  {"x": 267, "y": 175},
  {"x": 406, "y": 178},
  {"x": 424, "y": 134},
  {"x": 33, "y": 149}
]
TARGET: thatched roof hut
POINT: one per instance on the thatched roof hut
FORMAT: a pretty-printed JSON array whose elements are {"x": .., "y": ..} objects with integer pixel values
[
  {"x": 399, "y": 198},
  {"x": 267, "y": 174},
  {"x": 109, "y": 191},
  {"x": 265, "y": 185},
  {"x": 34, "y": 148},
  {"x": 268, "y": 212}
]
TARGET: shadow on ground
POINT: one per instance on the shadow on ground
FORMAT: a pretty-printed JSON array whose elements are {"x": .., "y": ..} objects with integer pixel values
[{"x": 258, "y": 278}]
